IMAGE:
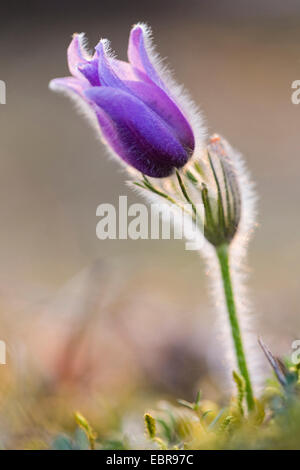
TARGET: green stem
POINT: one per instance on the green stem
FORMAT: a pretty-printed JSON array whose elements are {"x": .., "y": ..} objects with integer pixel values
[{"x": 222, "y": 252}]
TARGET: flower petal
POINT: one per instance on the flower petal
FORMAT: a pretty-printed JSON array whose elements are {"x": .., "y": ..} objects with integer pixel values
[
  {"x": 164, "y": 106},
  {"x": 75, "y": 89},
  {"x": 81, "y": 64},
  {"x": 113, "y": 72},
  {"x": 107, "y": 75},
  {"x": 126, "y": 71},
  {"x": 77, "y": 54},
  {"x": 138, "y": 54},
  {"x": 110, "y": 73},
  {"x": 152, "y": 148},
  {"x": 90, "y": 71},
  {"x": 72, "y": 84}
]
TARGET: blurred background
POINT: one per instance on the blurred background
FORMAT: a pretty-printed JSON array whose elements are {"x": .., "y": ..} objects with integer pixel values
[{"x": 128, "y": 321}]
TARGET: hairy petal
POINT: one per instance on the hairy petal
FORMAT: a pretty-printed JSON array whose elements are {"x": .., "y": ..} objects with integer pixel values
[
  {"x": 90, "y": 71},
  {"x": 107, "y": 75},
  {"x": 164, "y": 106},
  {"x": 126, "y": 71},
  {"x": 117, "y": 139},
  {"x": 74, "y": 89},
  {"x": 70, "y": 84},
  {"x": 151, "y": 145},
  {"x": 77, "y": 54},
  {"x": 149, "y": 93},
  {"x": 113, "y": 72},
  {"x": 138, "y": 54},
  {"x": 110, "y": 133}
]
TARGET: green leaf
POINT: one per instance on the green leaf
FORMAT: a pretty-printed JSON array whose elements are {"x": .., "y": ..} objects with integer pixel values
[
  {"x": 84, "y": 424},
  {"x": 150, "y": 425},
  {"x": 62, "y": 442},
  {"x": 240, "y": 383}
]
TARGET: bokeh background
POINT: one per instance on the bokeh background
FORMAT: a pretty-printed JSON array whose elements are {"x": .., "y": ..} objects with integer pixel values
[{"x": 126, "y": 321}]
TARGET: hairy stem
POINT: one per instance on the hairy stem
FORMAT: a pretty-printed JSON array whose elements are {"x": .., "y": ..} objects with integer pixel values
[{"x": 223, "y": 257}]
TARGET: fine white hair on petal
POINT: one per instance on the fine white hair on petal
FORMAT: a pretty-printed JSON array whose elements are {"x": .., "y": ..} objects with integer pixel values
[
  {"x": 84, "y": 45},
  {"x": 80, "y": 104},
  {"x": 83, "y": 109},
  {"x": 177, "y": 92},
  {"x": 109, "y": 52}
]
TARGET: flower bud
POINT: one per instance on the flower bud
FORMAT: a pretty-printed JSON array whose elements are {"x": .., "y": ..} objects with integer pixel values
[{"x": 220, "y": 193}]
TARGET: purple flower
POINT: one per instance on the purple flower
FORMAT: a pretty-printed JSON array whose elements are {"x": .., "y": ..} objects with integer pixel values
[{"x": 135, "y": 104}]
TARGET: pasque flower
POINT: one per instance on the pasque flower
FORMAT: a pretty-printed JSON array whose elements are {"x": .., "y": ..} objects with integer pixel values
[
  {"x": 146, "y": 120},
  {"x": 138, "y": 107}
]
